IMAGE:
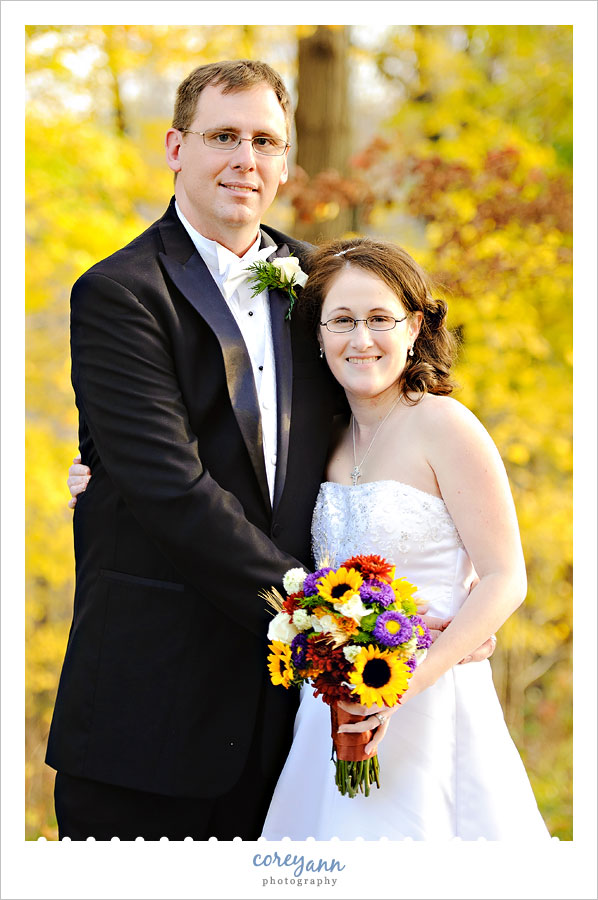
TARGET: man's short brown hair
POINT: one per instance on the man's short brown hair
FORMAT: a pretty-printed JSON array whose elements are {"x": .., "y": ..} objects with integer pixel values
[{"x": 230, "y": 75}]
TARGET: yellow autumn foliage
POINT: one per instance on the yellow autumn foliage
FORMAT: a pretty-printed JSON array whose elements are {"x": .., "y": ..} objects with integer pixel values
[{"x": 475, "y": 183}]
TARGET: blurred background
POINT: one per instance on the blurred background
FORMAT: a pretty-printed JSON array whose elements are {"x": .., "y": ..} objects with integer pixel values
[{"x": 453, "y": 141}]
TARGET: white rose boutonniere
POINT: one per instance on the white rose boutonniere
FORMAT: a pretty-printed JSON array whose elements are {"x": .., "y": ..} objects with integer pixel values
[
  {"x": 290, "y": 269},
  {"x": 283, "y": 273}
]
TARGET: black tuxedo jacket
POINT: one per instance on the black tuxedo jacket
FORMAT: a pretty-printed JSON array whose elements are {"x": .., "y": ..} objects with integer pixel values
[{"x": 175, "y": 535}]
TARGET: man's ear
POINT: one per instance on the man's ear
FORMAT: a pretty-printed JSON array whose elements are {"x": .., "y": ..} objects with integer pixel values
[
  {"x": 285, "y": 169},
  {"x": 174, "y": 140}
]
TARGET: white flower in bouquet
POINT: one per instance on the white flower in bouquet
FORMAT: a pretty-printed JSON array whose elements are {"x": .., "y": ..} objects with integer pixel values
[
  {"x": 282, "y": 629},
  {"x": 411, "y": 646},
  {"x": 353, "y": 608},
  {"x": 420, "y": 655},
  {"x": 293, "y": 580},
  {"x": 290, "y": 268},
  {"x": 302, "y": 619},
  {"x": 351, "y": 652},
  {"x": 327, "y": 625}
]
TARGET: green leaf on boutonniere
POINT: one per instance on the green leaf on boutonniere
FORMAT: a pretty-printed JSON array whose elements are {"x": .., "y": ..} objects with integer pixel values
[{"x": 283, "y": 273}]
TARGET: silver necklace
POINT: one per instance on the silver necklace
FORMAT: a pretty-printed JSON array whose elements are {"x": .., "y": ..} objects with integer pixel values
[{"x": 356, "y": 473}]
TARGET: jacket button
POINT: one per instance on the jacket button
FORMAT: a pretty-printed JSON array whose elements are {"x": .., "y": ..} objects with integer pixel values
[{"x": 276, "y": 529}]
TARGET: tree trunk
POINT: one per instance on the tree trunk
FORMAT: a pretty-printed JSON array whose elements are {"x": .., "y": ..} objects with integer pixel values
[
  {"x": 118, "y": 111},
  {"x": 323, "y": 121}
]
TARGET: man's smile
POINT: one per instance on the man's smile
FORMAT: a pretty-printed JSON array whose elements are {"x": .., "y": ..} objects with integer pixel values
[{"x": 238, "y": 187}]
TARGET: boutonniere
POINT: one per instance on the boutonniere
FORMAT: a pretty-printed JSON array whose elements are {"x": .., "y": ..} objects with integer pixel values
[{"x": 283, "y": 273}]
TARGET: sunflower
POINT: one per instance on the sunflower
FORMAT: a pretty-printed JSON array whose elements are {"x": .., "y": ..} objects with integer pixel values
[
  {"x": 336, "y": 587},
  {"x": 379, "y": 676},
  {"x": 279, "y": 664}
]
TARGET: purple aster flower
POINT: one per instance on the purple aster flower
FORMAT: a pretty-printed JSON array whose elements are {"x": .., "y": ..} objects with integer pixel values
[
  {"x": 392, "y": 628},
  {"x": 298, "y": 650},
  {"x": 309, "y": 585},
  {"x": 376, "y": 592},
  {"x": 411, "y": 663},
  {"x": 420, "y": 629}
]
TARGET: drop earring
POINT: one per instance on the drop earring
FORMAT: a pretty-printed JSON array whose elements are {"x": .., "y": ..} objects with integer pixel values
[
  {"x": 321, "y": 353},
  {"x": 410, "y": 351}
]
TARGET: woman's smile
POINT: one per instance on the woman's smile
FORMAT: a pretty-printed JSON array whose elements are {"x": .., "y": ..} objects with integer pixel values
[{"x": 363, "y": 360}]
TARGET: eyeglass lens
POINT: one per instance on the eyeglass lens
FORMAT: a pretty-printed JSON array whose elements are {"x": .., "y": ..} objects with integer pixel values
[
  {"x": 228, "y": 140},
  {"x": 344, "y": 324}
]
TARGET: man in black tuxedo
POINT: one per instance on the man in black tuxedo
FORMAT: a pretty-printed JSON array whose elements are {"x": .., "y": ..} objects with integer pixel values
[{"x": 205, "y": 417}]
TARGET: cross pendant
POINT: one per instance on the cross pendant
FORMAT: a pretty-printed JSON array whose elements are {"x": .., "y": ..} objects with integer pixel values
[{"x": 355, "y": 474}]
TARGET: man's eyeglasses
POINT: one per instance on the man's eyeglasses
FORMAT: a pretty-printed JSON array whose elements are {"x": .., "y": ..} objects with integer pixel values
[
  {"x": 344, "y": 324},
  {"x": 229, "y": 140}
]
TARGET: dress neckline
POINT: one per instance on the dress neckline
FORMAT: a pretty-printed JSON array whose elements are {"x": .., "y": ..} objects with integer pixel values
[{"x": 402, "y": 484}]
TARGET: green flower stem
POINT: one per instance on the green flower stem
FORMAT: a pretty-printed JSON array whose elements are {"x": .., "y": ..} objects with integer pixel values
[{"x": 353, "y": 777}]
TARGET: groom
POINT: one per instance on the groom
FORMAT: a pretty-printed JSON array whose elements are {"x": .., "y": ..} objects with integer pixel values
[{"x": 205, "y": 417}]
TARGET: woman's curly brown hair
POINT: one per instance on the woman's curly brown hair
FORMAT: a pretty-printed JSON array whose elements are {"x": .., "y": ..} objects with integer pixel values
[{"x": 428, "y": 370}]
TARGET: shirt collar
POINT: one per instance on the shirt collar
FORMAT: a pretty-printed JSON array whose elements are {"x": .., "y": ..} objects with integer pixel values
[{"x": 214, "y": 254}]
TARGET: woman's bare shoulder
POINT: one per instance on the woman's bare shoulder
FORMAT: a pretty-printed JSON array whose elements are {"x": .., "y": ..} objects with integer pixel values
[
  {"x": 441, "y": 418},
  {"x": 434, "y": 408}
]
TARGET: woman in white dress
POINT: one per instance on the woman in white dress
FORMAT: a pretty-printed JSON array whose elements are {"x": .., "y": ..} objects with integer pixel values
[{"x": 413, "y": 477}]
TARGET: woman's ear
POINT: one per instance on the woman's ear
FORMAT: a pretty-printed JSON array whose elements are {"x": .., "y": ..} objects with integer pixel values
[{"x": 415, "y": 323}]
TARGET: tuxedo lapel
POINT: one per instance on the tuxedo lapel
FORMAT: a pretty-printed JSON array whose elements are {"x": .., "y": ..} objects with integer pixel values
[
  {"x": 281, "y": 339},
  {"x": 189, "y": 273}
]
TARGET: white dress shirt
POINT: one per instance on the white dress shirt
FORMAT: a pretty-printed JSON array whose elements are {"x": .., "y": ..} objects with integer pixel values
[{"x": 252, "y": 315}]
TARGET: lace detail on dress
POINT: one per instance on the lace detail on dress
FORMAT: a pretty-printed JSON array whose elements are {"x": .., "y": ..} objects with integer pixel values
[{"x": 389, "y": 518}]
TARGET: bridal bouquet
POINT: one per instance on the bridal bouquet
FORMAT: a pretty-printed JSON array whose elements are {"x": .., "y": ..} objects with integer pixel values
[{"x": 354, "y": 632}]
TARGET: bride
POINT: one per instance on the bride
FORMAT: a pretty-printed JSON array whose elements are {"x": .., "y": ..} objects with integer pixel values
[{"x": 414, "y": 477}]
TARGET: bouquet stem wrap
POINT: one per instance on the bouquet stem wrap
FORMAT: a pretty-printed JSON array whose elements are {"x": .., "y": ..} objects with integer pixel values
[{"x": 354, "y": 770}]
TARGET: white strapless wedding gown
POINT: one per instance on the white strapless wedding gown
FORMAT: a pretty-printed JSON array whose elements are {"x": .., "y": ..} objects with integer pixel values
[{"x": 448, "y": 766}]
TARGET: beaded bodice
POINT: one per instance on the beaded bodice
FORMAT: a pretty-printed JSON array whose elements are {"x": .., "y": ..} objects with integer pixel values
[{"x": 408, "y": 527}]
